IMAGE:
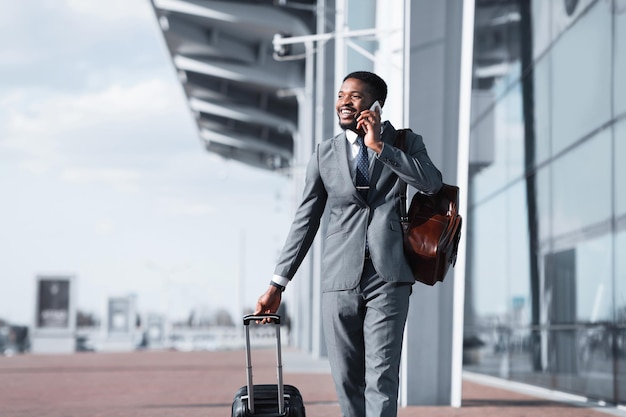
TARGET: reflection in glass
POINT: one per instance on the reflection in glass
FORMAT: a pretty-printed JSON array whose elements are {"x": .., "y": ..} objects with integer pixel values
[
  {"x": 620, "y": 299},
  {"x": 581, "y": 87},
  {"x": 594, "y": 280},
  {"x": 518, "y": 274},
  {"x": 620, "y": 60},
  {"x": 584, "y": 366},
  {"x": 620, "y": 168},
  {"x": 489, "y": 266},
  {"x": 544, "y": 204},
  {"x": 362, "y": 16},
  {"x": 508, "y": 143},
  {"x": 547, "y": 216},
  {"x": 581, "y": 189},
  {"x": 541, "y": 110}
]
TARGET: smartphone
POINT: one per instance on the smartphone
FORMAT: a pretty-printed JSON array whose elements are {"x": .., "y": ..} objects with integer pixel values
[{"x": 375, "y": 106}]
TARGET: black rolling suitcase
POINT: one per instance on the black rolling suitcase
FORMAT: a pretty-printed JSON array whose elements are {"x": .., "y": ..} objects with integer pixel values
[{"x": 267, "y": 400}]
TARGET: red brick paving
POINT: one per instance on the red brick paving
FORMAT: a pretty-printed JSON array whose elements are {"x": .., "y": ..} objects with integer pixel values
[{"x": 201, "y": 384}]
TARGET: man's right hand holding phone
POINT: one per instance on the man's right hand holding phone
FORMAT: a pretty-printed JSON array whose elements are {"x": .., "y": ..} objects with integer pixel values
[{"x": 369, "y": 122}]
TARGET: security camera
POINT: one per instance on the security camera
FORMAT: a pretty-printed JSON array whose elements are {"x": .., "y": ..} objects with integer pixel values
[{"x": 279, "y": 48}]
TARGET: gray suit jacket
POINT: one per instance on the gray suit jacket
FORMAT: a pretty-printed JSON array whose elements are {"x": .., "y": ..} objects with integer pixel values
[{"x": 352, "y": 219}]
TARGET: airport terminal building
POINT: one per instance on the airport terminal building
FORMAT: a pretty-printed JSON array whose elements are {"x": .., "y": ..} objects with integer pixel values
[{"x": 522, "y": 103}]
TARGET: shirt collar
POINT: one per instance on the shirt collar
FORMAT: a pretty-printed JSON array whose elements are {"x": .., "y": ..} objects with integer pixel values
[{"x": 351, "y": 136}]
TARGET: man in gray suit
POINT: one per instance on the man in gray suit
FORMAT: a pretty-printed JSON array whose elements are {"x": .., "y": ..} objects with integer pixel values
[{"x": 366, "y": 281}]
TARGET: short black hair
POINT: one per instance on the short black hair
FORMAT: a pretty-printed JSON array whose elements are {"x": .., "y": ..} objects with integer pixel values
[{"x": 377, "y": 86}]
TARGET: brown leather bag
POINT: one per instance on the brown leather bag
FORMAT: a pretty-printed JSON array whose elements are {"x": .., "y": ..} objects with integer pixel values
[{"x": 432, "y": 228}]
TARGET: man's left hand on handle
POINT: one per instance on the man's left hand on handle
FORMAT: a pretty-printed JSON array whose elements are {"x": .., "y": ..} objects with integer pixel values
[{"x": 268, "y": 302}]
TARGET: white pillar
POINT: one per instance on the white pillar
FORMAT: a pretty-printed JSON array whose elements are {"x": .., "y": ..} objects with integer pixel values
[{"x": 433, "y": 338}]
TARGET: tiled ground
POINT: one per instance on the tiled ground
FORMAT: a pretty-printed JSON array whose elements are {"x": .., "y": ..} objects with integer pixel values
[{"x": 202, "y": 384}]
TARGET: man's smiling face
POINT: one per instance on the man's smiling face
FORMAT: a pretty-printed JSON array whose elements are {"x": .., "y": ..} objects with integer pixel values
[{"x": 352, "y": 99}]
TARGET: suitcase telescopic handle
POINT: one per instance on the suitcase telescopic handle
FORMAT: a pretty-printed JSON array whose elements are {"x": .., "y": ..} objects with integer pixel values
[
  {"x": 252, "y": 317},
  {"x": 279, "y": 363}
]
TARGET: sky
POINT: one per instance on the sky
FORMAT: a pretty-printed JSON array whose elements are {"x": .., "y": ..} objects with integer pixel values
[{"x": 103, "y": 176}]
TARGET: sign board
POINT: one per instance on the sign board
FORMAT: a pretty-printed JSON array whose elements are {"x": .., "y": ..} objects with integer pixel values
[
  {"x": 53, "y": 303},
  {"x": 55, "y": 307},
  {"x": 55, "y": 314},
  {"x": 119, "y": 315}
]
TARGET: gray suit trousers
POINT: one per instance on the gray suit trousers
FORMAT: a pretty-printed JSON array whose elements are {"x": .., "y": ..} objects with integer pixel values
[{"x": 363, "y": 328}]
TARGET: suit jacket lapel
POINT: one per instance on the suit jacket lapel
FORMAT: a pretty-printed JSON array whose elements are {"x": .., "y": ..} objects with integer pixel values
[{"x": 339, "y": 144}]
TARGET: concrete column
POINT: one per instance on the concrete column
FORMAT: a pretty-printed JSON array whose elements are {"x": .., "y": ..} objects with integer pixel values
[{"x": 433, "y": 62}]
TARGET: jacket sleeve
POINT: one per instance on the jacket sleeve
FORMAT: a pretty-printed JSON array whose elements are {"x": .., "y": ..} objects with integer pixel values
[
  {"x": 413, "y": 167},
  {"x": 306, "y": 222}
]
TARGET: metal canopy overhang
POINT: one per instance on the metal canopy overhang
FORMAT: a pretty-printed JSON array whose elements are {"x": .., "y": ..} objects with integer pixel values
[{"x": 223, "y": 53}]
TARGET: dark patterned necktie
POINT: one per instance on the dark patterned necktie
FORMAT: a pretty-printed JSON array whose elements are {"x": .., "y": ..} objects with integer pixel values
[{"x": 362, "y": 169}]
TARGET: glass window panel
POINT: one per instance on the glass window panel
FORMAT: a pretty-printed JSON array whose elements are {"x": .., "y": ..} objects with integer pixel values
[
  {"x": 581, "y": 185},
  {"x": 508, "y": 142},
  {"x": 580, "y": 362},
  {"x": 620, "y": 60},
  {"x": 487, "y": 288},
  {"x": 620, "y": 370},
  {"x": 620, "y": 169},
  {"x": 550, "y": 18},
  {"x": 541, "y": 99},
  {"x": 493, "y": 174},
  {"x": 564, "y": 13},
  {"x": 500, "y": 272},
  {"x": 581, "y": 77},
  {"x": 482, "y": 136},
  {"x": 620, "y": 281},
  {"x": 572, "y": 97},
  {"x": 520, "y": 353},
  {"x": 544, "y": 199},
  {"x": 361, "y": 15},
  {"x": 511, "y": 126},
  {"x": 492, "y": 356},
  {"x": 542, "y": 35},
  {"x": 489, "y": 268},
  {"x": 390, "y": 59},
  {"x": 620, "y": 314},
  {"x": 518, "y": 256},
  {"x": 594, "y": 281}
]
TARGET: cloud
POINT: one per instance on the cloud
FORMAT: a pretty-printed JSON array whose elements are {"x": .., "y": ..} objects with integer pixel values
[
  {"x": 119, "y": 179},
  {"x": 78, "y": 44},
  {"x": 104, "y": 227},
  {"x": 63, "y": 128},
  {"x": 63, "y": 113},
  {"x": 110, "y": 10},
  {"x": 185, "y": 208}
]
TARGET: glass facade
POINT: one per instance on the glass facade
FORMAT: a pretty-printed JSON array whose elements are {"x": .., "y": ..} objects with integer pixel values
[
  {"x": 377, "y": 52},
  {"x": 546, "y": 271}
]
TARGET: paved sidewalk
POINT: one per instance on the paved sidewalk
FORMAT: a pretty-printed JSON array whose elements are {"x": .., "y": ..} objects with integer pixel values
[{"x": 194, "y": 384}]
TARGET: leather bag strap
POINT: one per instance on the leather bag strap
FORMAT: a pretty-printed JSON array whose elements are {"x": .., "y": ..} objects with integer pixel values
[{"x": 400, "y": 143}]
